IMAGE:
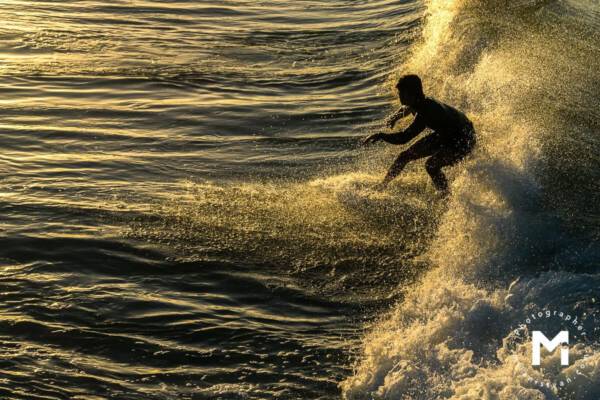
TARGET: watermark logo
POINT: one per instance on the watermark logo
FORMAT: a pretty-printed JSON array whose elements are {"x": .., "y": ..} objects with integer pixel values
[
  {"x": 539, "y": 339},
  {"x": 545, "y": 333}
]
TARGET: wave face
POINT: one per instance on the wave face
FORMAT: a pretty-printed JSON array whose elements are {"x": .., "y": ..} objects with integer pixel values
[{"x": 521, "y": 233}]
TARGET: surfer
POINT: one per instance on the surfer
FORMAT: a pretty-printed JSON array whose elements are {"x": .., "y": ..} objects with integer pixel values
[{"x": 452, "y": 137}]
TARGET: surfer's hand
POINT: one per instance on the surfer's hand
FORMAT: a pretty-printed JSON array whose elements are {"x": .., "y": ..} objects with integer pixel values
[
  {"x": 390, "y": 122},
  {"x": 374, "y": 138}
]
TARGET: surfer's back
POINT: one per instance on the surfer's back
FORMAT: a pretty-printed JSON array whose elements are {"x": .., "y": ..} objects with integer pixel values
[{"x": 441, "y": 117}]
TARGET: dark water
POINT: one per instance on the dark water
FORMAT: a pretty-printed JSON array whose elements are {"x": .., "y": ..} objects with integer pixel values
[{"x": 186, "y": 213}]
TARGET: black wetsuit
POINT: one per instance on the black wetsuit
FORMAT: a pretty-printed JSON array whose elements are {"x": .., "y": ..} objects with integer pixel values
[{"x": 453, "y": 137}]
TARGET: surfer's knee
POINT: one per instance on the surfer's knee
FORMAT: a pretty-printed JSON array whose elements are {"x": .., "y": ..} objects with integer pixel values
[
  {"x": 402, "y": 159},
  {"x": 408, "y": 155},
  {"x": 432, "y": 167}
]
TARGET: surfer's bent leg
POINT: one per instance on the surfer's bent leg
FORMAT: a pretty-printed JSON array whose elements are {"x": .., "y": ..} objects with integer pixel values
[
  {"x": 423, "y": 148},
  {"x": 447, "y": 156},
  {"x": 434, "y": 168}
]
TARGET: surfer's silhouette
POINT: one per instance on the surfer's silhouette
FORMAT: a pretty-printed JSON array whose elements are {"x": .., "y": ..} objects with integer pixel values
[{"x": 453, "y": 136}]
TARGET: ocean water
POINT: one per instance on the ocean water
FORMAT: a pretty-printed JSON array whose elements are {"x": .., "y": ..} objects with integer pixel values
[{"x": 186, "y": 213}]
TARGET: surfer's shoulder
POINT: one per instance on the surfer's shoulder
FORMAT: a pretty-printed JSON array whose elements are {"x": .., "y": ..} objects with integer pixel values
[
  {"x": 429, "y": 102},
  {"x": 427, "y": 106},
  {"x": 433, "y": 102}
]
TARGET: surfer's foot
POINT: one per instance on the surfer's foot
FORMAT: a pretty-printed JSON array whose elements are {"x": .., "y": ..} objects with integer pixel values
[
  {"x": 443, "y": 194},
  {"x": 380, "y": 187}
]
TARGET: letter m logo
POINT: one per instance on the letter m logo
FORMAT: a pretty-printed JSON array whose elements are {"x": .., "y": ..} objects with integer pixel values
[{"x": 538, "y": 340}]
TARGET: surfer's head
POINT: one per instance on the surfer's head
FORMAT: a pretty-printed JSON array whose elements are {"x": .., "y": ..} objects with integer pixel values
[{"x": 410, "y": 90}]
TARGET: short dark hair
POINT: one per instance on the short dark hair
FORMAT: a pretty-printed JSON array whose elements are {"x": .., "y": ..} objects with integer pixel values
[{"x": 411, "y": 84}]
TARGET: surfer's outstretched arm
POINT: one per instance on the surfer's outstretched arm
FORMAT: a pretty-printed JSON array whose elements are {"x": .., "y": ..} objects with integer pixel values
[{"x": 403, "y": 137}]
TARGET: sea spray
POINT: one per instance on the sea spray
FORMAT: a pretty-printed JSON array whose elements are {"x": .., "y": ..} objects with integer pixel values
[{"x": 507, "y": 64}]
